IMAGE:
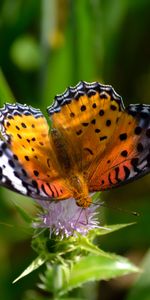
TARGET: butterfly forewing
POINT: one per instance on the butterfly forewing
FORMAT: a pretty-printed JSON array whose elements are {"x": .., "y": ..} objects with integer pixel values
[
  {"x": 32, "y": 160},
  {"x": 111, "y": 144},
  {"x": 87, "y": 116}
]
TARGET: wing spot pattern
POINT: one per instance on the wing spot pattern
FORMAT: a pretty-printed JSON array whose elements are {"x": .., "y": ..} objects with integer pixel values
[
  {"x": 27, "y": 158},
  {"x": 134, "y": 163},
  {"x": 108, "y": 123},
  {"x": 83, "y": 108},
  {"x": 23, "y": 125},
  {"x": 109, "y": 179},
  {"x": 103, "y": 95},
  {"x": 113, "y": 107},
  {"x": 127, "y": 172},
  {"x": 89, "y": 150},
  {"x": 91, "y": 93},
  {"x": 138, "y": 130},
  {"x": 85, "y": 124},
  {"x": 34, "y": 183},
  {"x": 19, "y": 136},
  {"x": 93, "y": 121},
  {"x": 24, "y": 172},
  {"x": 36, "y": 173},
  {"x": 123, "y": 136},
  {"x": 97, "y": 130},
  {"x": 4, "y": 146},
  {"x": 94, "y": 105},
  {"x": 79, "y": 132},
  {"x": 11, "y": 163},
  {"x": 10, "y": 117},
  {"x": 102, "y": 138},
  {"x": 140, "y": 147},
  {"x": 124, "y": 153},
  {"x": 16, "y": 174},
  {"x": 101, "y": 112},
  {"x": 72, "y": 114}
]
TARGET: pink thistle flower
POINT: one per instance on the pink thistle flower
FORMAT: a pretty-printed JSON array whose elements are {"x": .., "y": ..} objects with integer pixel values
[{"x": 65, "y": 218}]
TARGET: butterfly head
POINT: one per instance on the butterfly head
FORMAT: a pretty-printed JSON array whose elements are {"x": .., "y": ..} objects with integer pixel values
[
  {"x": 79, "y": 189},
  {"x": 84, "y": 202}
]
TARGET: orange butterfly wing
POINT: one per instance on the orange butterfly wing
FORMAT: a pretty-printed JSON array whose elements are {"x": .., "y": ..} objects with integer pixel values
[
  {"x": 109, "y": 145},
  {"x": 99, "y": 144},
  {"x": 127, "y": 156},
  {"x": 27, "y": 133}
]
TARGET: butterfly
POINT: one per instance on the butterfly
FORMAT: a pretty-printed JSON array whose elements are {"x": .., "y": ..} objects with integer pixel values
[{"x": 94, "y": 144}]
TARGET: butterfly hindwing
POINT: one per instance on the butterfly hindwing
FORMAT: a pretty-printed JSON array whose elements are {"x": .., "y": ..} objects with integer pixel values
[
  {"x": 12, "y": 175},
  {"x": 128, "y": 157}
]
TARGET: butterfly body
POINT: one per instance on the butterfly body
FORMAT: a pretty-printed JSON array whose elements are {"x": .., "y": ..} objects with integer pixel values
[
  {"x": 69, "y": 169},
  {"x": 94, "y": 144}
]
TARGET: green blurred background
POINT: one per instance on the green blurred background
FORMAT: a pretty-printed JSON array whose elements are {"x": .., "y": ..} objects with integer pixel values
[{"x": 45, "y": 47}]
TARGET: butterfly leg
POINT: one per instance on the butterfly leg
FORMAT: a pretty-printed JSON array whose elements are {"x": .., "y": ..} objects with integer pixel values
[{"x": 84, "y": 219}]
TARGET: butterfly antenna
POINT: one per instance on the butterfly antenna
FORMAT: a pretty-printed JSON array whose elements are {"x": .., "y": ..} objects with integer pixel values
[
  {"x": 103, "y": 204},
  {"x": 86, "y": 216}
]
